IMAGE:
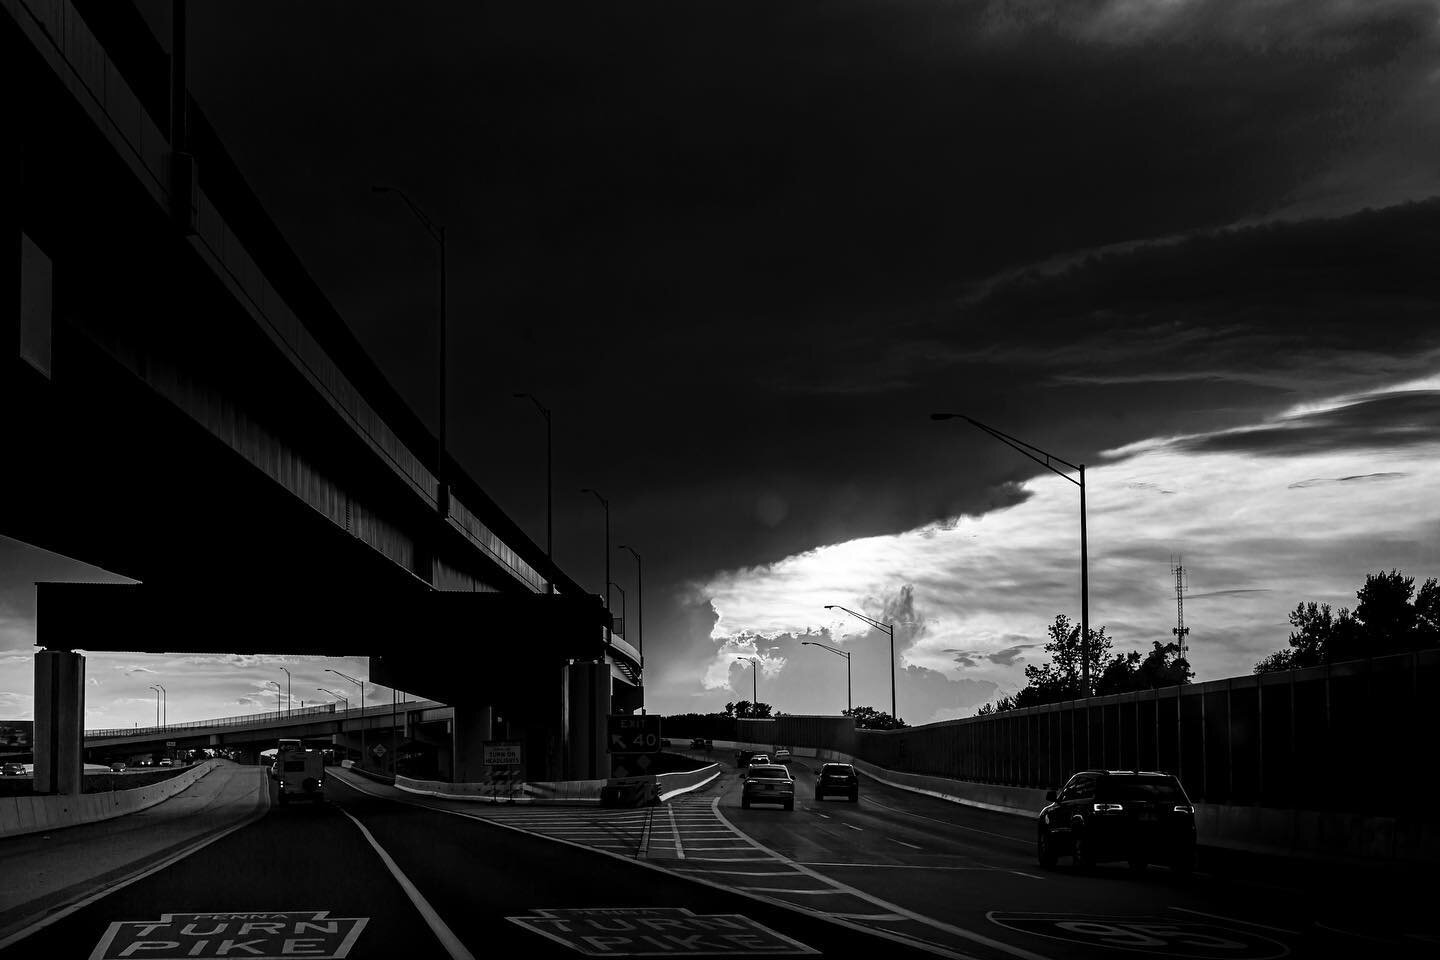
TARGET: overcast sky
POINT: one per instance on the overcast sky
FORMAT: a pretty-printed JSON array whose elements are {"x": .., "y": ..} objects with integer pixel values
[{"x": 743, "y": 249}]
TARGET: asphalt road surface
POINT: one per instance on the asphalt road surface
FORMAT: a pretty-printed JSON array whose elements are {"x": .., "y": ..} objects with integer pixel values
[{"x": 376, "y": 873}]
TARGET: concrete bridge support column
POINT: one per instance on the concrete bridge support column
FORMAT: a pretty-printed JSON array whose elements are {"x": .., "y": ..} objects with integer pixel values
[
  {"x": 59, "y": 721},
  {"x": 469, "y": 730},
  {"x": 585, "y": 706}
]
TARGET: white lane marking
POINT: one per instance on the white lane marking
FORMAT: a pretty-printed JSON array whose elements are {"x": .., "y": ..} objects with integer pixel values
[
  {"x": 853, "y": 827},
  {"x": 890, "y": 866},
  {"x": 731, "y": 859},
  {"x": 948, "y": 823},
  {"x": 740, "y": 873},
  {"x": 731, "y": 849},
  {"x": 1248, "y": 923},
  {"x": 903, "y": 843},
  {"x": 693, "y": 876},
  {"x": 1022, "y": 873},
  {"x": 788, "y": 890},
  {"x": 868, "y": 916},
  {"x": 442, "y": 932},
  {"x": 825, "y": 815},
  {"x": 949, "y": 928},
  {"x": 263, "y": 805},
  {"x": 675, "y": 829}
]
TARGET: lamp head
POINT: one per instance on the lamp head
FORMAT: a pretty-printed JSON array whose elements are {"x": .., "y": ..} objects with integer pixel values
[{"x": 829, "y": 606}]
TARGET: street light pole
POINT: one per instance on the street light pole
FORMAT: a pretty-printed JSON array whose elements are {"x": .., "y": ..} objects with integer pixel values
[
  {"x": 755, "y": 680},
  {"x": 346, "y": 676},
  {"x": 549, "y": 490},
  {"x": 606, "y": 504},
  {"x": 878, "y": 625},
  {"x": 157, "y": 703},
  {"x": 276, "y": 685},
  {"x": 849, "y": 705},
  {"x": 1048, "y": 461},
  {"x": 622, "y": 602},
  {"x": 437, "y": 233},
  {"x": 288, "y": 701},
  {"x": 639, "y": 618}
]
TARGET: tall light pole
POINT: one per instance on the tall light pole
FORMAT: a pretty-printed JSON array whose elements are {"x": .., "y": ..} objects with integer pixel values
[
  {"x": 606, "y": 504},
  {"x": 164, "y": 705},
  {"x": 755, "y": 680},
  {"x": 1048, "y": 461},
  {"x": 878, "y": 625},
  {"x": 336, "y": 696},
  {"x": 288, "y": 701},
  {"x": 640, "y": 618},
  {"x": 437, "y": 233},
  {"x": 157, "y": 703},
  {"x": 622, "y": 602},
  {"x": 276, "y": 685},
  {"x": 347, "y": 676},
  {"x": 549, "y": 490},
  {"x": 849, "y": 707}
]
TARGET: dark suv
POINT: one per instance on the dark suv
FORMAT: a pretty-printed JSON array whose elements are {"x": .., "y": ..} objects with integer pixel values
[
  {"x": 1136, "y": 815},
  {"x": 837, "y": 778}
]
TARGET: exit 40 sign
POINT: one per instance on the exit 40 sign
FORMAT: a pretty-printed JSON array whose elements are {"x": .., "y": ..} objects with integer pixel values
[{"x": 630, "y": 734}]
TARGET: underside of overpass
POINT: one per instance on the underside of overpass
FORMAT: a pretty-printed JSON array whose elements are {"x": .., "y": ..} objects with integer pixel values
[{"x": 184, "y": 408}]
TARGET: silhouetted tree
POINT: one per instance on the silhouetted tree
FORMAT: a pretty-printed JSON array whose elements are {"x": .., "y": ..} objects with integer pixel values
[
  {"x": 1384, "y": 621},
  {"x": 747, "y": 710},
  {"x": 1161, "y": 667},
  {"x": 868, "y": 718}
]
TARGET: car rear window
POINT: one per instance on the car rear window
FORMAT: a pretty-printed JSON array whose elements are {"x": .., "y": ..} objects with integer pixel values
[
  {"x": 1164, "y": 789},
  {"x": 779, "y": 773},
  {"x": 294, "y": 766},
  {"x": 837, "y": 768}
]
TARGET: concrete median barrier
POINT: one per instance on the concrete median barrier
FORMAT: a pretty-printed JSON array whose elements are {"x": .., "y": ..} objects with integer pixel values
[
  {"x": 34, "y": 814},
  {"x": 674, "y": 784}
]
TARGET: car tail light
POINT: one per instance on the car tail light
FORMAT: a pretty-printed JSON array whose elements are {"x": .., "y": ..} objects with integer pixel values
[
  {"x": 1181, "y": 808},
  {"x": 1109, "y": 807}
]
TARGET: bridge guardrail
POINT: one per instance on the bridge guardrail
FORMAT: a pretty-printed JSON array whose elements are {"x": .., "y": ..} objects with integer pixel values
[{"x": 242, "y": 720}]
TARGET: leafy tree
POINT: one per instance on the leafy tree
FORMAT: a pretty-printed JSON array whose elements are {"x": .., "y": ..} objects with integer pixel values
[
  {"x": 747, "y": 710},
  {"x": 1384, "y": 621},
  {"x": 999, "y": 706},
  {"x": 868, "y": 718},
  {"x": 1161, "y": 667},
  {"x": 1061, "y": 678}
]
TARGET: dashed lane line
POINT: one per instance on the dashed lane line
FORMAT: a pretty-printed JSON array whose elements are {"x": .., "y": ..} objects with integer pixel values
[
  {"x": 853, "y": 827},
  {"x": 807, "y": 893}
]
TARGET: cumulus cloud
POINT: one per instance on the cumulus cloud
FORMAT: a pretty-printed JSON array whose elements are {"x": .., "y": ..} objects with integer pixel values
[{"x": 1251, "y": 536}]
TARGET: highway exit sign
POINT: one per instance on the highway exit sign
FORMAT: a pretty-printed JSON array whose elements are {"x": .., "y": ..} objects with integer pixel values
[{"x": 626, "y": 733}]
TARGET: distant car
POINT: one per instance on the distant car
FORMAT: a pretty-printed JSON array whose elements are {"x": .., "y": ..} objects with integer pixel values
[
  {"x": 301, "y": 775},
  {"x": 782, "y": 755},
  {"x": 13, "y": 770},
  {"x": 166, "y": 762},
  {"x": 697, "y": 743},
  {"x": 756, "y": 760},
  {"x": 1140, "y": 816},
  {"x": 838, "y": 778},
  {"x": 768, "y": 783},
  {"x": 709, "y": 745},
  {"x": 117, "y": 766}
]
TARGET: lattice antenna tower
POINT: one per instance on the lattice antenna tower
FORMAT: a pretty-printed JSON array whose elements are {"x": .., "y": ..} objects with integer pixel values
[{"x": 1180, "y": 630}]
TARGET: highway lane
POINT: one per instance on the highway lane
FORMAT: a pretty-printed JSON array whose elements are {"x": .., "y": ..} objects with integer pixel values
[{"x": 399, "y": 879}]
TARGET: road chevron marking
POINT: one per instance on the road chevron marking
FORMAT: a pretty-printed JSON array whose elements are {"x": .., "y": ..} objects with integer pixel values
[
  {"x": 692, "y": 876},
  {"x": 949, "y": 928}
]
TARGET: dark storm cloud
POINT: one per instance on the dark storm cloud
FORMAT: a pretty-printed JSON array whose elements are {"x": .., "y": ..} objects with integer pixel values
[
  {"x": 1386, "y": 421},
  {"x": 1005, "y": 657},
  {"x": 1360, "y": 478}
]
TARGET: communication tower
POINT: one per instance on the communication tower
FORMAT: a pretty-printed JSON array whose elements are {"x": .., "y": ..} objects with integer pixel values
[{"x": 1180, "y": 630}]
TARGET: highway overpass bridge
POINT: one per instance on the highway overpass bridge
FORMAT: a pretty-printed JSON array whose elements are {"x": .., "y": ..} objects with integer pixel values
[{"x": 183, "y": 406}]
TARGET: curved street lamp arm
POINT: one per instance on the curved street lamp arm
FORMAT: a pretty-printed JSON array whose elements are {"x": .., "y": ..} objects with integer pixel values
[
  {"x": 822, "y": 646},
  {"x": 1046, "y": 460},
  {"x": 425, "y": 221},
  {"x": 877, "y": 624}
]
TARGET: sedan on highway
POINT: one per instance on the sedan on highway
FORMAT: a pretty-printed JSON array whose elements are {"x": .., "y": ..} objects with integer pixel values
[
  {"x": 837, "y": 778},
  {"x": 768, "y": 783},
  {"x": 1140, "y": 816}
]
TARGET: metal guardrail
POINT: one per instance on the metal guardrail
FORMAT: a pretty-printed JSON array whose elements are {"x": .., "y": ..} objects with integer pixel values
[{"x": 249, "y": 719}]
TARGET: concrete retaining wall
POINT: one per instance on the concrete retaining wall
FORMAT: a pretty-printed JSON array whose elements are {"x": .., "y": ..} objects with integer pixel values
[{"x": 35, "y": 814}]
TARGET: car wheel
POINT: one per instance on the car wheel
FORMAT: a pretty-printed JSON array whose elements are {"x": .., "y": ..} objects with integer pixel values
[
  {"x": 1045, "y": 850},
  {"x": 744, "y": 804},
  {"x": 284, "y": 799},
  {"x": 789, "y": 804},
  {"x": 1082, "y": 855},
  {"x": 855, "y": 797}
]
